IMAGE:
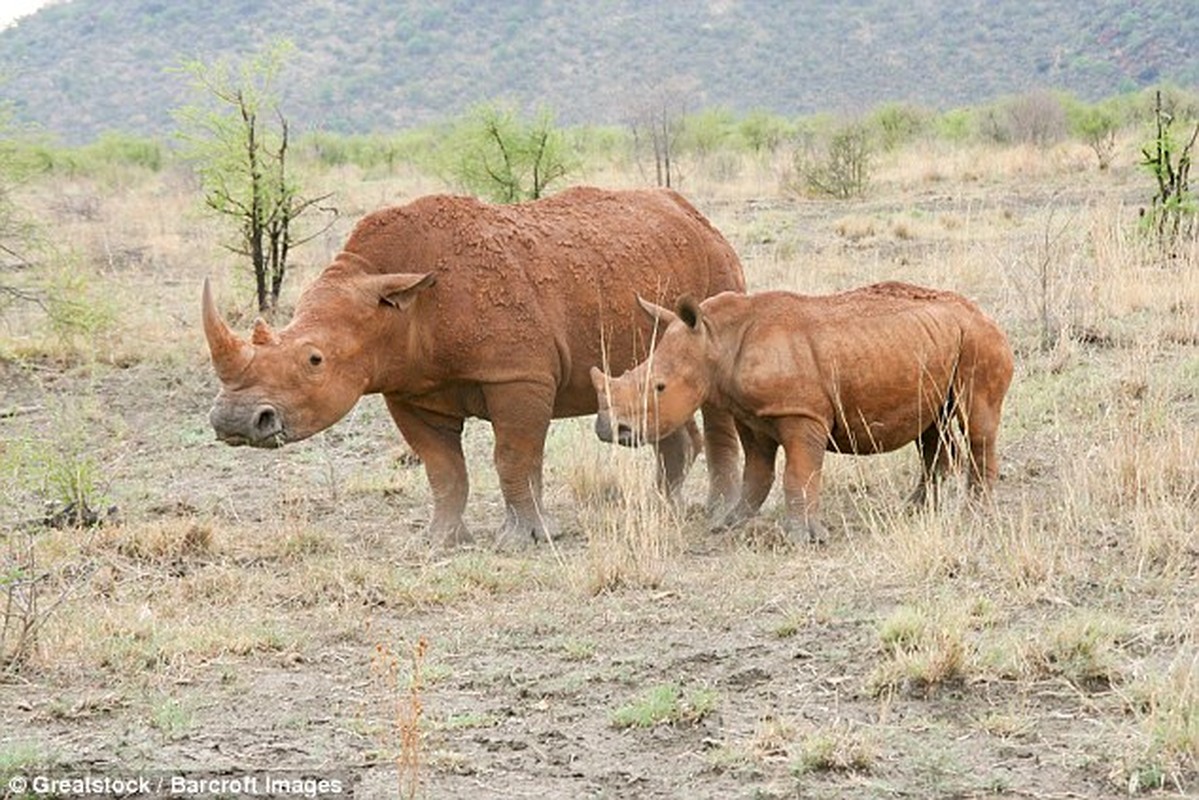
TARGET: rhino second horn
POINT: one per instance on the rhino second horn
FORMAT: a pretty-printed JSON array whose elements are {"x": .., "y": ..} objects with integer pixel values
[{"x": 229, "y": 353}]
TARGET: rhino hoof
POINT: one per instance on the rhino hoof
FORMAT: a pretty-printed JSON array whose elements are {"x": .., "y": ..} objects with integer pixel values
[
  {"x": 811, "y": 532},
  {"x": 456, "y": 536},
  {"x": 519, "y": 533},
  {"x": 731, "y": 520}
]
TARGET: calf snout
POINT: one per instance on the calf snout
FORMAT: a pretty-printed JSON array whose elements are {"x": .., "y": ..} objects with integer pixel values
[
  {"x": 258, "y": 426},
  {"x": 603, "y": 427}
]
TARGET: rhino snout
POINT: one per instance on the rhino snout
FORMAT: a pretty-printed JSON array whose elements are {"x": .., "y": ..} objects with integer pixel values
[
  {"x": 266, "y": 423},
  {"x": 259, "y": 426}
]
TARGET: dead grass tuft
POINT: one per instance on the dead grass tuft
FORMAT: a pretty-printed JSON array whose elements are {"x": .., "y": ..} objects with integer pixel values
[
  {"x": 840, "y": 746},
  {"x": 633, "y": 534}
]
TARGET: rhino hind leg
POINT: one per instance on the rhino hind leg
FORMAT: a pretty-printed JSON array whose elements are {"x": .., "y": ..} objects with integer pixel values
[
  {"x": 520, "y": 417},
  {"x": 804, "y": 442}
]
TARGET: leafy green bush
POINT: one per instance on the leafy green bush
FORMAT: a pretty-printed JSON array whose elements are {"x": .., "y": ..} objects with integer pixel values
[
  {"x": 764, "y": 132},
  {"x": 497, "y": 154},
  {"x": 125, "y": 150},
  {"x": 898, "y": 124},
  {"x": 1096, "y": 125},
  {"x": 956, "y": 125},
  {"x": 371, "y": 152},
  {"x": 77, "y": 314}
]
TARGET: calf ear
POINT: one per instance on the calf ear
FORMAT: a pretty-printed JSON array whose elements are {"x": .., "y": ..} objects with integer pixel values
[
  {"x": 661, "y": 316},
  {"x": 598, "y": 379},
  {"x": 689, "y": 312},
  {"x": 401, "y": 289}
]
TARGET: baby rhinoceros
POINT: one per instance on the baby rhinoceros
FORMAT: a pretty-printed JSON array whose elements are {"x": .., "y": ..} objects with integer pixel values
[{"x": 861, "y": 372}]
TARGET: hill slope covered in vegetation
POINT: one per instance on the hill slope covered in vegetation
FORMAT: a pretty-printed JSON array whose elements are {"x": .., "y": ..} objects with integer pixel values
[{"x": 81, "y": 67}]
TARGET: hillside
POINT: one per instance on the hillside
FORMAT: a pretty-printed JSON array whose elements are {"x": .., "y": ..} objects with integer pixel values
[{"x": 84, "y": 66}]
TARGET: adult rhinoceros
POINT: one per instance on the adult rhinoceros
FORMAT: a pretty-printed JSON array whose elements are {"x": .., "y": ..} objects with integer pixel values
[
  {"x": 862, "y": 372},
  {"x": 452, "y": 308}
]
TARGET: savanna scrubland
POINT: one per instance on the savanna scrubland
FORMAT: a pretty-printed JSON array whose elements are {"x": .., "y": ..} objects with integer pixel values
[{"x": 237, "y": 611}]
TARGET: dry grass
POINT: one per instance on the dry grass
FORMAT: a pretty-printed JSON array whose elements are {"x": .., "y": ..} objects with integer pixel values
[
  {"x": 633, "y": 536},
  {"x": 1059, "y": 618}
]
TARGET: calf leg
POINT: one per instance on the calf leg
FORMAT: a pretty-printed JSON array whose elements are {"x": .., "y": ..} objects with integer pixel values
[
  {"x": 984, "y": 377},
  {"x": 520, "y": 416},
  {"x": 721, "y": 454},
  {"x": 437, "y": 440},
  {"x": 982, "y": 426},
  {"x": 937, "y": 451},
  {"x": 804, "y": 440},
  {"x": 760, "y": 453}
]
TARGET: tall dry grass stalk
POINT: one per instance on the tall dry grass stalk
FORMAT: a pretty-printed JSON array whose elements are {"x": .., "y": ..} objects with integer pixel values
[{"x": 633, "y": 534}]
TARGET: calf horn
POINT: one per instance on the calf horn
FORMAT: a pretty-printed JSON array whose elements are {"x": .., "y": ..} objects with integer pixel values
[{"x": 230, "y": 354}]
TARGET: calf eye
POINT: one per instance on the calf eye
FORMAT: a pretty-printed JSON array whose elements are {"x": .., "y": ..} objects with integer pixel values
[
  {"x": 315, "y": 359},
  {"x": 659, "y": 387}
]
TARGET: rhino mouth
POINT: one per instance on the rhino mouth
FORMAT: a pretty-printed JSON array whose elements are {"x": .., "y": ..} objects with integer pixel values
[
  {"x": 622, "y": 433},
  {"x": 627, "y": 437},
  {"x": 238, "y": 440}
]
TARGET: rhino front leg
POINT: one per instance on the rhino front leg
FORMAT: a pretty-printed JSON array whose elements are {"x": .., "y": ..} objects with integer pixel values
[
  {"x": 804, "y": 440},
  {"x": 437, "y": 440},
  {"x": 520, "y": 417}
]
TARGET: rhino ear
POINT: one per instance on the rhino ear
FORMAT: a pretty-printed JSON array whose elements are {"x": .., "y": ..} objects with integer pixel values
[
  {"x": 399, "y": 290},
  {"x": 689, "y": 312}
]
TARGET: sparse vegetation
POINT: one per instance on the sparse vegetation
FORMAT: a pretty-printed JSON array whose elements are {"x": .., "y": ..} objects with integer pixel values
[
  {"x": 1039, "y": 644},
  {"x": 666, "y": 704},
  {"x": 837, "y": 747}
]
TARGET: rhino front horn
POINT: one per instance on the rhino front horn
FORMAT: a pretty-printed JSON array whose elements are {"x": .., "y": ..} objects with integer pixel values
[{"x": 229, "y": 353}]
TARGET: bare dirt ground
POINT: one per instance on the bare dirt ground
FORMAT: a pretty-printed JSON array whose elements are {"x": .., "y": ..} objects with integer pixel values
[{"x": 246, "y": 612}]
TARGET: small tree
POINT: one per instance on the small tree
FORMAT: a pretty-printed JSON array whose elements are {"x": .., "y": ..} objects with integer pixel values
[
  {"x": 1097, "y": 126},
  {"x": 842, "y": 170},
  {"x": 763, "y": 131},
  {"x": 238, "y": 139},
  {"x": 496, "y": 154},
  {"x": 656, "y": 120},
  {"x": 1174, "y": 208}
]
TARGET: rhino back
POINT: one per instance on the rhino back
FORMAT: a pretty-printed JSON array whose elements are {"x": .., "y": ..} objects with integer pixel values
[{"x": 538, "y": 291}]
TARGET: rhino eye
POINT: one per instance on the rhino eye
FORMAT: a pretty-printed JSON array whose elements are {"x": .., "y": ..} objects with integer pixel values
[{"x": 315, "y": 359}]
